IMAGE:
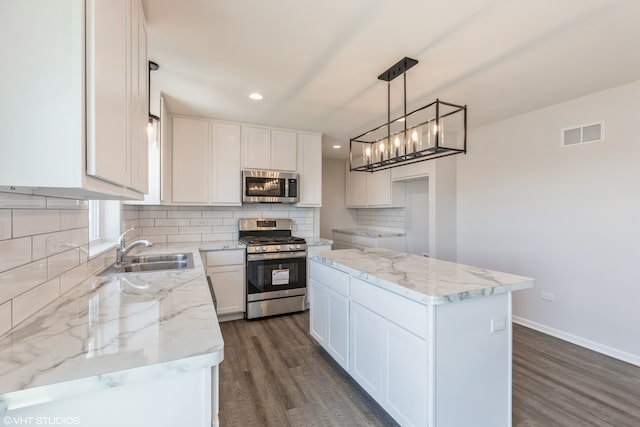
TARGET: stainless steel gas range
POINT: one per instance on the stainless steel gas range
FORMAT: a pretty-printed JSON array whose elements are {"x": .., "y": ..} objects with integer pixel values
[{"x": 276, "y": 268}]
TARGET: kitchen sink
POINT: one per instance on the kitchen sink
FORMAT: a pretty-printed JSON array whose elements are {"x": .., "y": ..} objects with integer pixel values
[
  {"x": 151, "y": 263},
  {"x": 153, "y": 266},
  {"x": 139, "y": 259}
]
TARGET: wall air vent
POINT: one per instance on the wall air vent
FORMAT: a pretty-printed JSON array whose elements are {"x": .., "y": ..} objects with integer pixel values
[{"x": 584, "y": 134}]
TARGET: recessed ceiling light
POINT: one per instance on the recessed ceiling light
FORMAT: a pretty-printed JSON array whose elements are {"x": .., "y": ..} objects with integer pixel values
[
  {"x": 337, "y": 146},
  {"x": 256, "y": 96}
]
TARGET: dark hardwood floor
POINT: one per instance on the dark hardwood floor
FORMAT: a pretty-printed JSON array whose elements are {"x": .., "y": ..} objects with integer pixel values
[{"x": 275, "y": 374}]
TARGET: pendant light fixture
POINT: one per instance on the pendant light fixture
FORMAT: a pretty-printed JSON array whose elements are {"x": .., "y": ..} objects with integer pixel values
[
  {"x": 152, "y": 126},
  {"x": 435, "y": 130}
]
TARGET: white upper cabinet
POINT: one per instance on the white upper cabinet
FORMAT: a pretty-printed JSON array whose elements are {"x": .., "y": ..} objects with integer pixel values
[
  {"x": 67, "y": 104},
  {"x": 203, "y": 164},
  {"x": 107, "y": 83},
  {"x": 190, "y": 160},
  {"x": 266, "y": 148},
  {"x": 256, "y": 148},
  {"x": 373, "y": 190},
  {"x": 226, "y": 177},
  {"x": 283, "y": 150},
  {"x": 310, "y": 169},
  {"x": 139, "y": 78}
]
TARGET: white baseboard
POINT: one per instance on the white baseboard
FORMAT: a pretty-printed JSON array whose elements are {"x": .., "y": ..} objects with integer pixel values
[{"x": 582, "y": 342}]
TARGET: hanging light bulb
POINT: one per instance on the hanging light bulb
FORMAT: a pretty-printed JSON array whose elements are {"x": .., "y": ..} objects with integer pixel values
[{"x": 396, "y": 142}]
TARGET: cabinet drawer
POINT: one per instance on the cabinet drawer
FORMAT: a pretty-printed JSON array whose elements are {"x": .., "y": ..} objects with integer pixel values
[
  {"x": 330, "y": 277},
  {"x": 229, "y": 257},
  {"x": 405, "y": 313}
]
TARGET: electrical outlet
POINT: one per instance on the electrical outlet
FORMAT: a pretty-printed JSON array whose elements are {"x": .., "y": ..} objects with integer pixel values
[
  {"x": 547, "y": 296},
  {"x": 54, "y": 245},
  {"x": 498, "y": 323}
]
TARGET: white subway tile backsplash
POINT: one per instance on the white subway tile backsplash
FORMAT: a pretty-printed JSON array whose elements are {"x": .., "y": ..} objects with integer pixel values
[
  {"x": 219, "y": 236},
  {"x": 33, "y": 300},
  {"x": 152, "y": 214},
  {"x": 206, "y": 221},
  {"x": 197, "y": 229},
  {"x": 147, "y": 231},
  {"x": 73, "y": 219},
  {"x": 226, "y": 213},
  {"x": 5, "y": 317},
  {"x": 155, "y": 239},
  {"x": 52, "y": 243},
  {"x": 247, "y": 214},
  {"x": 196, "y": 208},
  {"x": 19, "y": 280},
  {"x": 146, "y": 222},
  {"x": 5, "y": 224},
  {"x": 175, "y": 238},
  {"x": 27, "y": 222},
  {"x": 59, "y": 263},
  {"x": 173, "y": 222},
  {"x": 21, "y": 201},
  {"x": 231, "y": 222},
  {"x": 57, "y": 203},
  {"x": 185, "y": 214},
  {"x": 14, "y": 253}
]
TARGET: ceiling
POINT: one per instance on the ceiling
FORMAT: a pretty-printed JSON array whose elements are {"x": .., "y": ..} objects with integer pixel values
[{"x": 317, "y": 62}]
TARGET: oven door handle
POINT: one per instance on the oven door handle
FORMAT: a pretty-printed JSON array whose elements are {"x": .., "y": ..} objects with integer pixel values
[{"x": 276, "y": 255}]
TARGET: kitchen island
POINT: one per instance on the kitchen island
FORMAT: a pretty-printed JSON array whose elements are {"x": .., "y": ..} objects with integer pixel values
[
  {"x": 429, "y": 340},
  {"x": 129, "y": 349}
]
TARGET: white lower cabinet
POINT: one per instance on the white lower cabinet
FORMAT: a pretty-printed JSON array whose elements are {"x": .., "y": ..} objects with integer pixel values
[
  {"x": 227, "y": 269},
  {"x": 405, "y": 372},
  {"x": 330, "y": 321},
  {"x": 391, "y": 364},
  {"x": 368, "y": 331}
]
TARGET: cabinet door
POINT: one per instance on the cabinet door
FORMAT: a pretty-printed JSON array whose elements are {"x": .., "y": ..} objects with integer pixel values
[
  {"x": 139, "y": 101},
  {"x": 356, "y": 191},
  {"x": 367, "y": 349},
  {"x": 318, "y": 312},
  {"x": 284, "y": 148},
  {"x": 310, "y": 169},
  {"x": 190, "y": 160},
  {"x": 226, "y": 164},
  {"x": 228, "y": 284},
  {"x": 256, "y": 148},
  {"x": 108, "y": 149},
  {"x": 379, "y": 188},
  {"x": 406, "y": 376},
  {"x": 338, "y": 342}
]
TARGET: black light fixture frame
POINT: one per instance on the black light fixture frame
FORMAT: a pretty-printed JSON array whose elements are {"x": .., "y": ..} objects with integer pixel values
[{"x": 429, "y": 153}]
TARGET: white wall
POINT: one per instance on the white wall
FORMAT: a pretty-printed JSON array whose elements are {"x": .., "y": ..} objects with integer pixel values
[
  {"x": 569, "y": 217},
  {"x": 333, "y": 213}
]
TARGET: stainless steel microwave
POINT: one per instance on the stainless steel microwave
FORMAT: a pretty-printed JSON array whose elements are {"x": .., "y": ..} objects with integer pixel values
[{"x": 262, "y": 186}]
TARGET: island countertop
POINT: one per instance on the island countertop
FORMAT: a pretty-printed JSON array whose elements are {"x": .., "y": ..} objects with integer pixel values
[
  {"x": 112, "y": 330},
  {"x": 425, "y": 280}
]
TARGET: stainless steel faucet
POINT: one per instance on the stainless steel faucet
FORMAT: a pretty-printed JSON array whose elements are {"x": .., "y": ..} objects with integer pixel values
[{"x": 122, "y": 250}]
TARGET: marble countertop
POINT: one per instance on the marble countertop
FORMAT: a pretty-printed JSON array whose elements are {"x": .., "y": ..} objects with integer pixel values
[
  {"x": 221, "y": 245},
  {"x": 112, "y": 330},
  {"x": 318, "y": 241},
  {"x": 428, "y": 281},
  {"x": 369, "y": 232}
]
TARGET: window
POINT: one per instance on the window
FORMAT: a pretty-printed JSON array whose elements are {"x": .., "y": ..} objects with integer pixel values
[{"x": 104, "y": 225}]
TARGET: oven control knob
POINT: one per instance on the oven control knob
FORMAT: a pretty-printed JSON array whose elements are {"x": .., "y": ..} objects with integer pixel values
[
  {"x": 264, "y": 248},
  {"x": 278, "y": 247},
  {"x": 297, "y": 246}
]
